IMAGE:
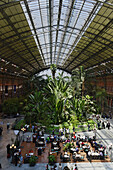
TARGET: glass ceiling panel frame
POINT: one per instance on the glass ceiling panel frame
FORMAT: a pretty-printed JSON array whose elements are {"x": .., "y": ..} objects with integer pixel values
[
  {"x": 56, "y": 15},
  {"x": 57, "y": 31}
]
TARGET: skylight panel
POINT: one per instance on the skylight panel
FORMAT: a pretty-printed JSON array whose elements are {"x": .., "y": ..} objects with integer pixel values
[{"x": 71, "y": 25}]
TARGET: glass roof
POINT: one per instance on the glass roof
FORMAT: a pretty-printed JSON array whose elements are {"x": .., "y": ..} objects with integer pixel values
[
  {"x": 59, "y": 25},
  {"x": 69, "y": 33}
]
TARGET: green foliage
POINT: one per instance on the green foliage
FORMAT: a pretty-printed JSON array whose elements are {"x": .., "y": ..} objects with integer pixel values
[
  {"x": 67, "y": 146},
  {"x": 101, "y": 98},
  {"x": 51, "y": 158},
  {"x": 35, "y": 108},
  {"x": 77, "y": 80},
  {"x": 32, "y": 160},
  {"x": 11, "y": 106},
  {"x": 53, "y": 69},
  {"x": 83, "y": 107},
  {"x": 61, "y": 101},
  {"x": 20, "y": 124},
  {"x": 58, "y": 95}
]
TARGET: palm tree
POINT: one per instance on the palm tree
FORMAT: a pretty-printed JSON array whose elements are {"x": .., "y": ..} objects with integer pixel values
[
  {"x": 53, "y": 68},
  {"x": 38, "y": 82},
  {"x": 36, "y": 106},
  {"x": 78, "y": 76},
  {"x": 58, "y": 94},
  {"x": 101, "y": 98}
]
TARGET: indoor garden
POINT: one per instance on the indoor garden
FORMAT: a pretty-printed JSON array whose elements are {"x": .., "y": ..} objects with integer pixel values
[{"x": 60, "y": 101}]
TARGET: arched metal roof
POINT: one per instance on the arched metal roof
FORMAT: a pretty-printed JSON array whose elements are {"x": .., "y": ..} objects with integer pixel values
[{"x": 37, "y": 33}]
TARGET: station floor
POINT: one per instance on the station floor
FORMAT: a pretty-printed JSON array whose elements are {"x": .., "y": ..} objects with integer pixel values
[{"x": 8, "y": 136}]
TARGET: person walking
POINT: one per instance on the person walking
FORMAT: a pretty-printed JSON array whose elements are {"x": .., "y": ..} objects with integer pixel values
[
  {"x": 60, "y": 166},
  {"x": 108, "y": 125},
  {"x": 0, "y": 166},
  {"x": 16, "y": 160},
  {"x": 47, "y": 167},
  {"x": 98, "y": 124},
  {"x": 8, "y": 125},
  {"x": 103, "y": 125},
  {"x": 20, "y": 160},
  {"x": 76, "y": 168}
]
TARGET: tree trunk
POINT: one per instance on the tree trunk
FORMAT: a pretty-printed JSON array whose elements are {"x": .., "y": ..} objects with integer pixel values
[{"x": 53, "y": 74}]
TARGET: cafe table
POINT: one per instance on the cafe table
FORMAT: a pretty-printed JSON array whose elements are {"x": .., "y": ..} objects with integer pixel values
[
  {"x": 100, "y": 149},
  {"x": 31, "y": 153},
  {"x": 56, "y": 148},
  {"x": 54, "y": 143},
  {"x": 78, "y": 156},
  {"x": 73, "y": 149}
]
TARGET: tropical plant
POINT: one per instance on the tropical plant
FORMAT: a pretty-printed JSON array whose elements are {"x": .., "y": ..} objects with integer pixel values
[
  {"x": 53, "y": 69},
  {"x": 78, "y": 76},
  {"x": 67, "y": 146},
  {"x": 38, "y": 82},
  {"x": 32, "y": 160},
  {"x": 101, "y": 98},
  {"x": 83, "y": 107},
  {"x": 11, "y": 106},
  {"x": 51, "y": 159},
  {"x": 58, "y": 95},
  {"x": 35, "y": 108}
]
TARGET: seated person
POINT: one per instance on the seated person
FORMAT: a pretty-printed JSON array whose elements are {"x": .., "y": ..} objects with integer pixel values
[
  {"x": 68, "y": 140},
  {"x": 77, "y": 150},
  {"x": 40, "y": 151},
  {"x": 58, "y": 143},
  {"x": 101, "y": 155},
  {"x": 31, "y": 151},
  {"x": 55, "y": 138},
  {"x": 95, "y": 143},
  {"x": 52, "y": 146},
  {"x": 48, "y": 139},
  {"x": 74, "y": 155},
  {"x": 66, "y": 168},
  {"x": 77, "y": 143},
  {"x": 91, "y": 143},
  {"x": 82, "y": 143}
]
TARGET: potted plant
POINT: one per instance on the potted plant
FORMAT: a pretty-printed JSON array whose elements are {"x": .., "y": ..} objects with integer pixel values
[
  {"x": 51, "y": 159},
  {"x": 32, "y": 160}
]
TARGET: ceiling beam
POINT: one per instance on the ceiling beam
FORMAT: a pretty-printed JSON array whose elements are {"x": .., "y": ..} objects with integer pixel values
[
  {"x": 66, "y": 26},
  {"x": 84, "y": 28},
  {"x": 31, "y": 19},
  {"x": 50, "y": 23},
  {"x": 46, "y": 68},
  {"x": 17, "y": 33},
  {"x": 92, "y": 56},
  {"x": 16, "y": 53},
  {"x": 110, "y": 23},
  {"x": 58, "y": 23}
]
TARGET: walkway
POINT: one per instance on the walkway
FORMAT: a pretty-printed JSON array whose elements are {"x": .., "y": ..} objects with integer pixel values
[
  {"x": 81, "y": 166},
  {"x": 7, "y": 137}
]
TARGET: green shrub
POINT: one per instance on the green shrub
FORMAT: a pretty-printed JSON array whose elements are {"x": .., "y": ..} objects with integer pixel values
[
  {"x": 20, "y": 124},
  {"x": 10, "y": 106},
  {"x": 51, "y": 159},
  {"x": 32, "y": 160}
]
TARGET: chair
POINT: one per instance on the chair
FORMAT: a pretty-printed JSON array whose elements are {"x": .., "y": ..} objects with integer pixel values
[
  {"x": 81, "y": 149},
  {"x": 82, "y": 158}
]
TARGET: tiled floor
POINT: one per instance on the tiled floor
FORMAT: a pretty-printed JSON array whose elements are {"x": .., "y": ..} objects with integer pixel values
[
  {"x": 6, "y": 163},
  {"x": 44, "y": 157}
]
